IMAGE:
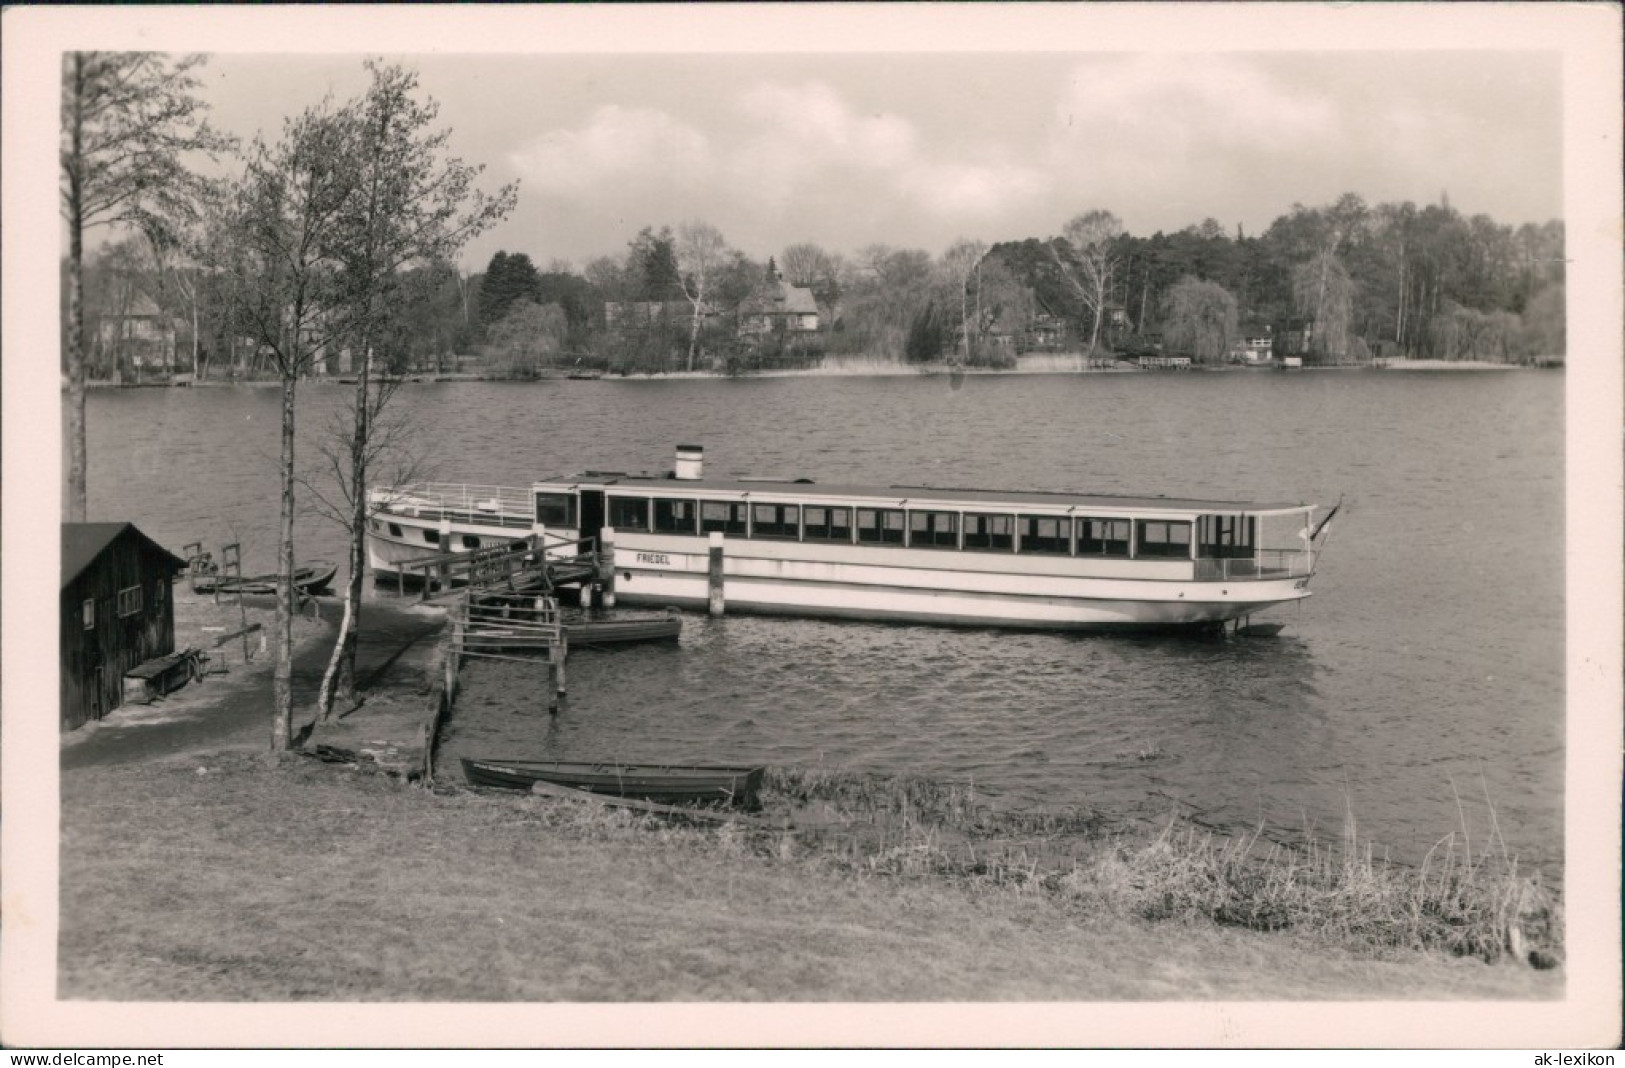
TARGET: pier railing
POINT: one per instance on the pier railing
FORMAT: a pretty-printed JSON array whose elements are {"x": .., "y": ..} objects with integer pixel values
[
  {"x": 1267, "y": 564},
  {"x": 544, "y": 562}
]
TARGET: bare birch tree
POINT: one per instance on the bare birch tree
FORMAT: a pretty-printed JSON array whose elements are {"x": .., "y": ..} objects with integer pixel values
[
  {"x": 412, "y": 204},
  {"x": 127, "y": 118},
  {"x": 701, "y": 251},
  {"x": 1092, "y": 238},
  {"x": 962, "y": 261},
  {"x": 283, "y": 274}
]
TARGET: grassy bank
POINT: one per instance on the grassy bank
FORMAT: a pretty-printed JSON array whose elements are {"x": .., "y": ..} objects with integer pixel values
[{"x": 220, "y": 878}]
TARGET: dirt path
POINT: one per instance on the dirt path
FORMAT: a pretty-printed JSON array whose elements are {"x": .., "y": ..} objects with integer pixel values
[{"x": 233, "y": 711}]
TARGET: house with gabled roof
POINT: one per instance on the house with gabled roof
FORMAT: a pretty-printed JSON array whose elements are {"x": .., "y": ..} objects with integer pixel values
[
  {"x": 117, "y": 612},
  {"x": 777, "y": 307}
]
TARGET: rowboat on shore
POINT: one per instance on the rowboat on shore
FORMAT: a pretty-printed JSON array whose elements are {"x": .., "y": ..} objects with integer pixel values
[
  {"x": 1030, "y": 559},
  {"x": 651, "y": 782},
  {"x": 312, "y": 579}
]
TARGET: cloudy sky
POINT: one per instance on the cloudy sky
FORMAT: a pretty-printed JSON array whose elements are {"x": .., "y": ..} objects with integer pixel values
[{"x": 920, "y": 149}]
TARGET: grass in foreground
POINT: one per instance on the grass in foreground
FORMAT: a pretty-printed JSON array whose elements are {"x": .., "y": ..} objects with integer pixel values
[
  {"x": 1341, "y": 894},
  {"x": 243, "y": 881}
]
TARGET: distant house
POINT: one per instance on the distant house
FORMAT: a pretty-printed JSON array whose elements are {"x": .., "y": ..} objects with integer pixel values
[
  {"x": 1255, "y": 345},
  {"x": 1296, "y": 337},
  {"x": 1043, "y": 333},
  {"x": 777, "y": 307},
  {"x": 116, "y": 612},
  {"x": 144, "y": 334}
]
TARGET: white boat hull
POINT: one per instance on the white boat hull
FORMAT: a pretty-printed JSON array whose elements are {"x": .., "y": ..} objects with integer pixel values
[{"x": 911, "y": 585}]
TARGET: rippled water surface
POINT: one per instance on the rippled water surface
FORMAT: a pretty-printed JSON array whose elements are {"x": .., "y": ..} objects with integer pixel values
[{"x": 1425, "y": 674}]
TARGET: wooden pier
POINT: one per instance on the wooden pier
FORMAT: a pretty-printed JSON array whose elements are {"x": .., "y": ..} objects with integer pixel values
[
  {"x": 523, "y": 565},
  {"x": 512, "y": 627}
]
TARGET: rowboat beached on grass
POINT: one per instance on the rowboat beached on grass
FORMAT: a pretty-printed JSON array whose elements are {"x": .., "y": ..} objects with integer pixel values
[{"x": 653, "y": 782}]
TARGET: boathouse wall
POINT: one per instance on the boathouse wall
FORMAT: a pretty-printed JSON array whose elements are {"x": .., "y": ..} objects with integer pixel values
[{"x": 117, "y": 610}]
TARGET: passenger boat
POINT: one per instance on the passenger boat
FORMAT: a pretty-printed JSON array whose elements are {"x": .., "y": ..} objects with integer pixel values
[
  {"x": 980, "y": 557},
  {"x": 652, "y": 782}
]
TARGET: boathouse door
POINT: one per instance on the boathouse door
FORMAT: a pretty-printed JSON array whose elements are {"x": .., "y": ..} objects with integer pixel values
[{"x": 592, "y": 513}]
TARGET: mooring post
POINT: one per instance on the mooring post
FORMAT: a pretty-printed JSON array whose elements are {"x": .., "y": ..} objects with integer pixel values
[
  {"x": 606, "y": 564},
  {"x": 714, "y": 573},
  {"x": 556, "y": 654}
]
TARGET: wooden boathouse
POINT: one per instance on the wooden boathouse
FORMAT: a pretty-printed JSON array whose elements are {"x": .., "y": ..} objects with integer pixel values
[{"x": 117, "y": 611}]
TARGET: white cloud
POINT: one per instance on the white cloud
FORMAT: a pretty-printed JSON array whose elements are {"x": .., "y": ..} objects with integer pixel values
[
  {"x": 812, "y": 120},
  {"x": 809, "y": 140},
  {"x": 624, "y": 146},
  {"x": 1162, "y": 129},
  {"x": 978, "y": 189}
]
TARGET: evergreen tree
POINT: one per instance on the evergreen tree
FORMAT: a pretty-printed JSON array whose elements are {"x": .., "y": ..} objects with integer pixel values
[{"x": 509, "y": 277}]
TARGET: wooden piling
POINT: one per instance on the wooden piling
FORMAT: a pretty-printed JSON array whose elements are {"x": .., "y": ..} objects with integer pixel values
[
  {"x": 714, "y": 574},
  {"x": 558, "y": 654},
  {"x": 606, "y": 565}
]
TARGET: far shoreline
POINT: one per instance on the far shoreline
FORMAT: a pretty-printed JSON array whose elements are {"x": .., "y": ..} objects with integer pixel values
[{"x": 1059, "y": 364}]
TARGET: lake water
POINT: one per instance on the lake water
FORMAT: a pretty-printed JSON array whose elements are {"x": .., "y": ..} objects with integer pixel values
[{"x": 1424, "y": 680}]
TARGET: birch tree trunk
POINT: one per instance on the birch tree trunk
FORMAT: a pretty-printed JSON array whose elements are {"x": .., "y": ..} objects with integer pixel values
[
  {"x": 76, "y": 310},
  {"x": 282, "y": 672}
]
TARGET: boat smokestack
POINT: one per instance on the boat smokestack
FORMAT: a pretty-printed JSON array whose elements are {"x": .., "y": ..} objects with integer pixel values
[{"x": 690, "y": 462}]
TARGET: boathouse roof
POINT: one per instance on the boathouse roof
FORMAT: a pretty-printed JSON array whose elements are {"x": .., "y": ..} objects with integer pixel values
[{"x": 82, "y": 543}]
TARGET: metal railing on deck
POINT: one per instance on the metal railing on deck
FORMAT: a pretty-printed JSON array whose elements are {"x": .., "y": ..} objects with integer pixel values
[
  {"x": 1267, "y": 564},
  {"x": 503, "y": 506}
]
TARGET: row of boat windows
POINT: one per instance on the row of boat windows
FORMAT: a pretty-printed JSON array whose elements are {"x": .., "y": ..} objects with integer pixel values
[
  {"x": 470, "y": 541},
  {"x": 1219, "y": 536}
]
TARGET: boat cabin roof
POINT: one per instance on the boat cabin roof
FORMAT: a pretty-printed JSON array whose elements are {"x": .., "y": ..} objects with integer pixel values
[{"x": 776, "y": 489}]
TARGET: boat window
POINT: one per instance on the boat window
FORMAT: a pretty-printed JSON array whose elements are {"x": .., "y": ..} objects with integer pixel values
[
  {"x": 1103, "y": 537},
  {"x": 726, "y": 516},
  {"x": 996, "y": 532},
  {"x": 828, "y": 524},
  {"x": 674, "y": 517},
  {"x": 1045, "y": 534},
  {"x": 1163, "y": 537},
  {"x": 629, "y": 513},
  {"x": 556, "y": 509},
  {"x": 89, "y": 610},
  {"x": 129, "y": 601},
  {"x": 933, "y": 530},
  {"x": 880, "y": 526},
  {"x": 1224, "y": 537},
  {"x": 395, "y": 529},
  {"x": 432, "y": 537},
  {"x": 471, "y": 541},
  {"x": 775, "y": 520}
]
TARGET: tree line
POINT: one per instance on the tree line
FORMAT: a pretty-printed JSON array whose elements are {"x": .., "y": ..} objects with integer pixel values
[{"x": 1344, "y": 282}]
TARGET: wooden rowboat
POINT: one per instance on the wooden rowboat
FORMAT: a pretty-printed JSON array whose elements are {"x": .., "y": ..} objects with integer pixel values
[
  {"x": 494, "y": 637},
  {"x": 311, "y": 579},
  {"x": 654, "y": 782}
]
